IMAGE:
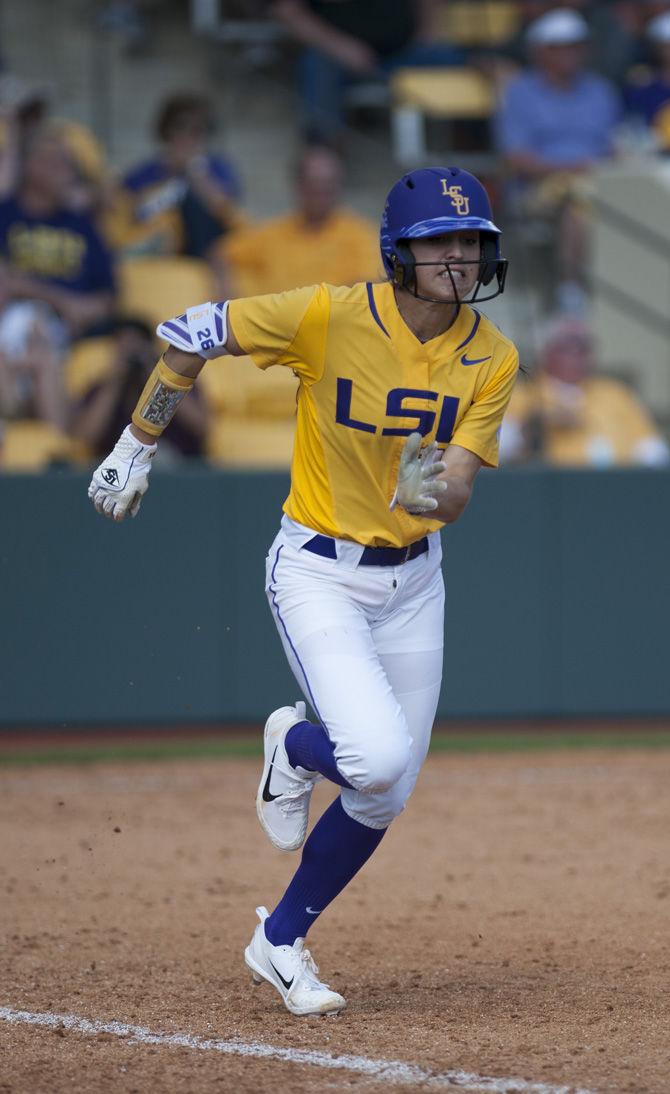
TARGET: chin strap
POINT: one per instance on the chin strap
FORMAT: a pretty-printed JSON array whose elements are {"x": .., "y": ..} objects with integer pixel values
[
  {"x": 446, "y": 266},
  {"x": 432, "y": 300},
  {"x": 475, "y": 299}
]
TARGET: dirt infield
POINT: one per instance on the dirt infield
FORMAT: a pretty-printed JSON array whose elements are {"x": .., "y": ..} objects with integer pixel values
[{"x": 514, "y": 925}]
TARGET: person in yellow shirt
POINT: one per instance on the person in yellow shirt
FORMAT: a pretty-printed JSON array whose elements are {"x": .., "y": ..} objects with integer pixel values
[
  {"x": 568, "y": 416},
  {"x": 402, "y": 388},
  {"x": 319, "y": 241}
]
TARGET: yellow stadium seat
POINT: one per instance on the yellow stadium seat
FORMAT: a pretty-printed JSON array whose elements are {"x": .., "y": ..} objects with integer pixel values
[
  {"x": 156, "y": 287},
  {"x": 477, "y": 22},
  {"x": 445, "y": 93},
  {"x": 251, "y": 442},
  {"x": 253, "y": 413},
  {"x": 28, "y": 445},
  {"x": 235, "y": 385},
  {"x": 88, "y": 362}
]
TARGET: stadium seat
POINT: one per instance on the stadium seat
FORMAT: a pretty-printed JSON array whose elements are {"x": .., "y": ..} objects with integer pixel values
[
  {"x": 444, "y": 93},
  {"x": 87, "y": 363},
  {"x": 233, "y": 385},
  {"x": 154, "y": 288},
  {"x": 251, "y": 442},
  {"x": 253, "y": 413},
  {"x": 477, "y": 23},
  {"x": 28, "y": 445}
]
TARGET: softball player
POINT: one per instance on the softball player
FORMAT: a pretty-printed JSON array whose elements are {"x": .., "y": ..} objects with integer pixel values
[{"x": 354, "y": 579}]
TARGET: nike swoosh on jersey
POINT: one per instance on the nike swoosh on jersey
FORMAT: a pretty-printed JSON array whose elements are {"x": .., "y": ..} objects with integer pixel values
[
  {"x": 286, "y": 983},
  {"x": 267, "y": 796},
  {"x": 475, "y": 360}
]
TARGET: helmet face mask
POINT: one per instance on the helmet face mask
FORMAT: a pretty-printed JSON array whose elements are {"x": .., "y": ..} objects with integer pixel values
[{"x": 435, "y": 201}]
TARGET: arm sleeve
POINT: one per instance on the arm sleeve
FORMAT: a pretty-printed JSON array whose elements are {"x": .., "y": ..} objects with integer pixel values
[
  {"x": 284, "y": 329},
  {"x": 479, "y": 429}
]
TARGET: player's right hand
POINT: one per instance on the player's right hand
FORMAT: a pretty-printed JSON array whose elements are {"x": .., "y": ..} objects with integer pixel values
[{"x": 119, "y": 483}]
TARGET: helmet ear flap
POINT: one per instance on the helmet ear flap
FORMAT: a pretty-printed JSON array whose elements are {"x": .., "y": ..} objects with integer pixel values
[
  {"x": 403, "y": 266},
  {"x": 489, "y": 259}
]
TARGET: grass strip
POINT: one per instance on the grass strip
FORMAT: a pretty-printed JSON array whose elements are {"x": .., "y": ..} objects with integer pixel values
[{"x": 226, "y": 748}]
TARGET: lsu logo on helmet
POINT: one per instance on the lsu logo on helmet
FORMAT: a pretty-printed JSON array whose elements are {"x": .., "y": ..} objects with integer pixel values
[{"x": 459, "y": 200}]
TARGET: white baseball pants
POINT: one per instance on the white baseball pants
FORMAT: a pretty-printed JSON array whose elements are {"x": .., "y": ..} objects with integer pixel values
[{"x": 365, "y": 644}]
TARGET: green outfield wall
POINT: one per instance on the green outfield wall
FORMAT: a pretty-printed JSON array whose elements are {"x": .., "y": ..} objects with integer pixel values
[{"x": 558, "y": 600}]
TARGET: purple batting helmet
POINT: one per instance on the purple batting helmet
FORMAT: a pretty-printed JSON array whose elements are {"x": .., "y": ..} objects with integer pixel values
[{"x": 429, "y": 202}]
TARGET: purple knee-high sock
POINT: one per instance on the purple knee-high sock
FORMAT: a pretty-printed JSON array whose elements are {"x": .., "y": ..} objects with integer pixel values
[
  {"x": 309, "y": 746},
  {"x": 337, "y": 848}
]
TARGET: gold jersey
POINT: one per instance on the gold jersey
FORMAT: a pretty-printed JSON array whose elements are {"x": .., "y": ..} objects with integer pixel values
[
  {"x": 286, "y": 251},
  {"x": 365, "y": 383}
]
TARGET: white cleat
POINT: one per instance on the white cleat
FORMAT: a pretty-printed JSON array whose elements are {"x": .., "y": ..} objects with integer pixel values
[
  {"x": 284, "y": 792},
  {"x": 292, "y": 971}
]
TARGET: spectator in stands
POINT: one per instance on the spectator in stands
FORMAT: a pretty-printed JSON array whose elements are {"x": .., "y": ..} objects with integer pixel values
[
  {"x": 33, "y": 405},
  {"x": 183, "y": 198},
  {"x": 557, "y": 121},
  {"x": 53, "y": 259},
  {"x": 24, "y": 108},
  {"x": 108, "y": 401},
  {"x": 319, "y": 241},
  {"x": 31, "y": 383},
  {"x": 617, "y": 35},
  {"x": 615, "y": 27},
  {"x": 56, "y": 284},
  {"x": 345, "y": 41},
  {"x": 647, "y": 92},
  {"x": 568, "y": 416}
]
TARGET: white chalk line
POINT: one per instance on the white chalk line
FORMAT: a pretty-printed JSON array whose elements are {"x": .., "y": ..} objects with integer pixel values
[{"x": 394, "y": 1072}]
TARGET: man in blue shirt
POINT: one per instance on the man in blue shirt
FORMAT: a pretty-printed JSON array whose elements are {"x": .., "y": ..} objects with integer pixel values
[{"x": 556, "y": 122}]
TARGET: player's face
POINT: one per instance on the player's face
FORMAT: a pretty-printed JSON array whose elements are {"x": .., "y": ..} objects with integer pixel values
[{"x": 460, "y": 251}]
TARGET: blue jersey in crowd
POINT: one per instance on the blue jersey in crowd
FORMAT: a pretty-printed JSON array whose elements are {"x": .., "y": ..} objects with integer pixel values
[
  {"x": 63, "y": 248},
  {"x": 155, "y": 188}
]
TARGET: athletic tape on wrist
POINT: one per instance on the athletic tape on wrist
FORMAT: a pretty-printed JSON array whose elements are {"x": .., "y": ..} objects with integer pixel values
[{"x": 162, "y": 394}]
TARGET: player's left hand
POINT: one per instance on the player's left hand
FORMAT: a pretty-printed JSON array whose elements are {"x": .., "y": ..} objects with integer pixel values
[{"x": 419, "y": 486}]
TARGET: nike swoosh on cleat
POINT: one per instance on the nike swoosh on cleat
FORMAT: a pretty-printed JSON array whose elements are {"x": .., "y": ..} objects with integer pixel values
[
  {"x": 267, "y": 796},
  {"x": 313, "y": 911},
  {"x": 286, "y": 983},
  {"x": 475, "y": 360}
]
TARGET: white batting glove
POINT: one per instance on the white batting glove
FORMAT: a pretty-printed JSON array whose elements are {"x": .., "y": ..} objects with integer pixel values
[
  {"x": 119, "y": 483},
  {"x": 418, "y": 484}
]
